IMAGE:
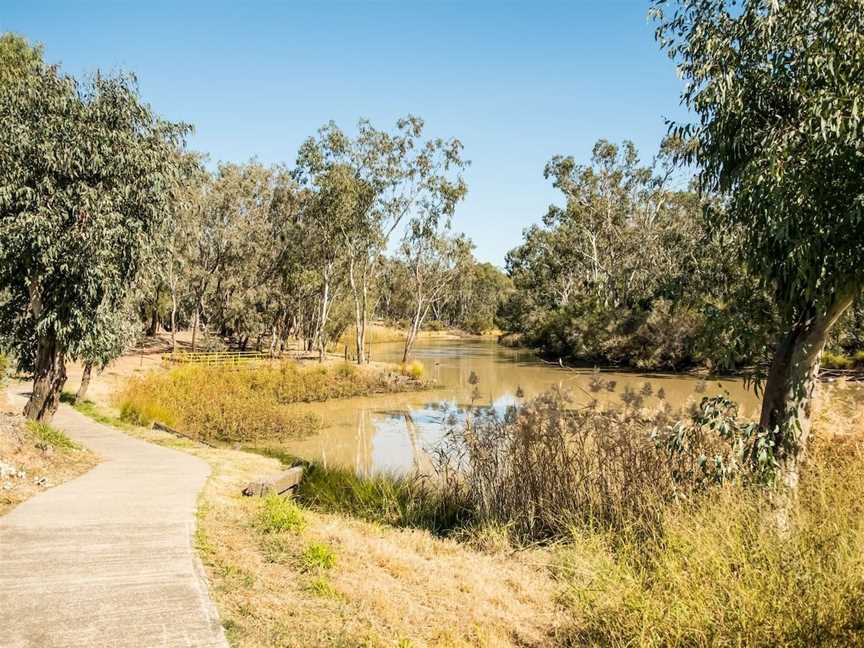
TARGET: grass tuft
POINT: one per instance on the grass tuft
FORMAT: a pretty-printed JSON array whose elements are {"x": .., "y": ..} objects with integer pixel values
[
  {"x": 49, "y": 436},
  {"x": 318, "y": 556},
  {"x": 279, "y": 514},
  {"x": 397, "y": 500}
]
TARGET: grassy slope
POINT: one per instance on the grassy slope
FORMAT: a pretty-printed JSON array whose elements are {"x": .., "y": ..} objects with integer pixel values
[{"x": 333, "y": 580}]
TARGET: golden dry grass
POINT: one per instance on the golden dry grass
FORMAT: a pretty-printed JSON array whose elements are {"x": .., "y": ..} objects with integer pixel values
[
  {"x": 387, "y": 587},
  {"x": 249, "y": 404}
]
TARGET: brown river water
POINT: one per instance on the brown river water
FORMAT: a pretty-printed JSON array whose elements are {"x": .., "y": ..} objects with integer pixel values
[{"x": 393, "y": 432}]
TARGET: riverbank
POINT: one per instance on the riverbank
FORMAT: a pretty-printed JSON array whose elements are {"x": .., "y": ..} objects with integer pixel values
[
  {"x": 252, "y": 403},
  {"x": 289, "y": 575},
  {"x": 322, "y": 572}
]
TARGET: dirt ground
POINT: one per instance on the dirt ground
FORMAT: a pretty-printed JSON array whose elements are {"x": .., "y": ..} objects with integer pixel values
[{"x": 29, "y": 464}]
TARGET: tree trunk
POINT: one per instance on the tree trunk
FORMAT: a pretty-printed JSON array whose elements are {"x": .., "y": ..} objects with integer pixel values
[
  {"x": 359, "y": 314},
  {"x": 154, "y": 317},
  {"x": 416, "y": 322},
  {"x": 48, "y": 380},
  {"x": 322, "y": 323},
  {"x": 173, "y": 321},
  {"x": 195, "y": 327},
  {"x": 786, "y": 401},
  {"x": 85, "y": 382}
]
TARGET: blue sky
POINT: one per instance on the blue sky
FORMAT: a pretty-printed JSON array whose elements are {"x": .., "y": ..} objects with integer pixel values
[{"x": 516, "y": 82}]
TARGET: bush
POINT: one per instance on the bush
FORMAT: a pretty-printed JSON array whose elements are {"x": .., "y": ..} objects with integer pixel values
[
  {"x": 546, "y": 466},
  {"x": 836, "y": 361},
  {"x": 413, "y": 369}
]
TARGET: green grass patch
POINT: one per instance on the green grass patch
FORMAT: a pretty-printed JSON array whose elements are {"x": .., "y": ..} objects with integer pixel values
[
  {"x": 45, "y": 435},
  {"x": 320, "y": 586},
  {"x": 396, "y": 500},
  {"x": 90, "y": 409},
  {"x": 279, "y": 514},
  {"x": 318, "y": 556}
]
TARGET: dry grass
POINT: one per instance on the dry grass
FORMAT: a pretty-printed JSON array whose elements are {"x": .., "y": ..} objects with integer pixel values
[
  {"x": 380, "y": 333},
  {"x": 249, "y": 404},
  {"x": 34, "y": 458},
  {"x": 720, "y": 573},
  {"x": 714, "y": 573},
  {"x": 336, "y": 581}
]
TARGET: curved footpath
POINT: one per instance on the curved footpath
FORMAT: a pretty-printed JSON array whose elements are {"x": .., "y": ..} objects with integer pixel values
[{"x": 107, "y": 559}]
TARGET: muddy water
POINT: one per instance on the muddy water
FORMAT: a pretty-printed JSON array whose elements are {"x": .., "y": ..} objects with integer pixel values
[{"x": 392, "y": 432}]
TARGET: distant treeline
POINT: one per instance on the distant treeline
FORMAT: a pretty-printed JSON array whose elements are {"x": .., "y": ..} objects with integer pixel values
[{"x": 633, "y": 271}]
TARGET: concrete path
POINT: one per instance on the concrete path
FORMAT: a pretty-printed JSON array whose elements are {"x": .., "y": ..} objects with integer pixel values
[{"x": 107, "y": 559}]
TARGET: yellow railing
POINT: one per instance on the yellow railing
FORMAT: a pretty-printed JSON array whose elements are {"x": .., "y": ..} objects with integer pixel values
[
  {"x": 213, "y": 358},
  {"x": 231, "y": 358}
]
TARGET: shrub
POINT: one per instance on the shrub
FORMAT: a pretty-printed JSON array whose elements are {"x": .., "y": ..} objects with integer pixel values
[
  {"x": 836, "y": 361},
  {"x": 245, "y": 405},
  {"x": 413, "y": 369},
  {"x": 546, "y": 466}
]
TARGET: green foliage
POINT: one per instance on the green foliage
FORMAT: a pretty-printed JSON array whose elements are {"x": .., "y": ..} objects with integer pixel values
[
  {"x": 88, "y": 179},
  {"x": 318, "y": 556},
  {"x": 49, "y": 436},
  {"x": 745, "y": 450},
  {"x": 370, "y": 185},
  {"x": 279, "y": 514},
  {"x": 776, "y": 89},
  {"x": 836, "y": 361},
  {"x": 18, "y": 58},
  {"x": 629, "y": 272}
]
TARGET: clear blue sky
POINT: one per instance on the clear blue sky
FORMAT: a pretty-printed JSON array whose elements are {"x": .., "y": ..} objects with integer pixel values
[{"x": 516, "y": 82}]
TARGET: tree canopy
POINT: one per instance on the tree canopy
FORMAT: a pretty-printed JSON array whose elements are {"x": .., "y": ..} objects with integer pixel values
[
  {"x": 777, "y": 93},
  {"x": 87, "y": 178}
]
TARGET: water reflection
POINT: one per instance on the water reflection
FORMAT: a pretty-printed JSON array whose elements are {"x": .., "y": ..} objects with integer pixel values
[{"x": 393, "y": 432}]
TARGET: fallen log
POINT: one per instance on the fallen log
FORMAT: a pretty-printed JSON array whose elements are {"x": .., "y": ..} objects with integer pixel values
[{"x": 278, "y": 484}]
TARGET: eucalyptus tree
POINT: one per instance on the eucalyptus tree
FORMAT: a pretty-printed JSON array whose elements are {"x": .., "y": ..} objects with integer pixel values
[
  {"x": 87, "y": 177},
  {"x": 434, "y": 260},
  {"x": 223, "y": 257},
  {"x": 17, "y": 57},
  {"x": 327, "y": 218},
  {"x": 392, "y": 175},
  {"x": 776, "y": 87}
]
